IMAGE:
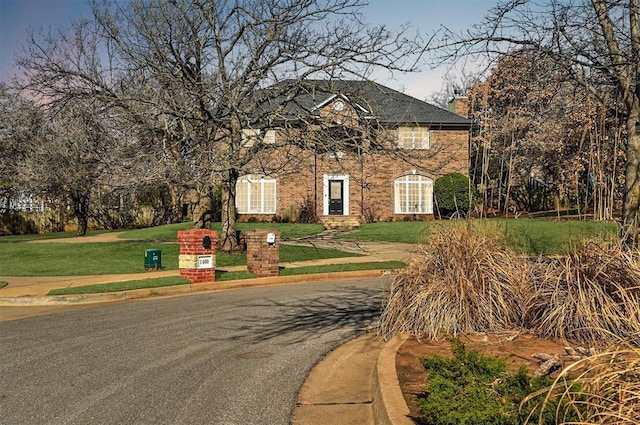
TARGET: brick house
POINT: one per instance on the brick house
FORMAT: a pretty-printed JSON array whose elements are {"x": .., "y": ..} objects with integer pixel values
[{"x": 362, "y": 152}]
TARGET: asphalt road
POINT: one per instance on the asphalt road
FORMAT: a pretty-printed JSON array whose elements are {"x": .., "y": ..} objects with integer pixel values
[{"x": 234, "y": 357}]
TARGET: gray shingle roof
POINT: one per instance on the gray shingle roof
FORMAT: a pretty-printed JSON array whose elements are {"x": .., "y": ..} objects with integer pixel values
[{"x": 371, "y": 100}]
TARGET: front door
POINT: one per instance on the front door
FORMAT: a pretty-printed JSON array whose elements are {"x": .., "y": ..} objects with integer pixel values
[{"x": 336, "y": 197}]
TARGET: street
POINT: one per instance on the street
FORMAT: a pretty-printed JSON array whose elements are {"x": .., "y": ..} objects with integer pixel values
[{"x": 229, "y": 357}]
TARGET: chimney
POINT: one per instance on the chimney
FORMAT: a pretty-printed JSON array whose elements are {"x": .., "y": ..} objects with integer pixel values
[{"x": 459, "y": 104}]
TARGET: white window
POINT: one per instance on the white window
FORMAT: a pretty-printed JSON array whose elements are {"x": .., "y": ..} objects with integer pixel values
[
  {"x": 256, "y": 195},
  {"x": 250, "y": 136},
  {"x": 413, "y": 137},
  {"x": 270, "y": 137},
  {"x": 413, "y": 195}
]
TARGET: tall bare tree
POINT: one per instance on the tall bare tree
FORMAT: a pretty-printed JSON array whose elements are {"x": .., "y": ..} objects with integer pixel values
[
  {"x": 596, "y": 42},
  {"x": 204, "y": 68},
  {"x": 69, "y": 158},
  {"x": 539, "y": 135}
]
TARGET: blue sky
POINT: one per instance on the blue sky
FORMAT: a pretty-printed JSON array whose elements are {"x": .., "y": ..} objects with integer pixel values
[{"x": 18, "y": 16}]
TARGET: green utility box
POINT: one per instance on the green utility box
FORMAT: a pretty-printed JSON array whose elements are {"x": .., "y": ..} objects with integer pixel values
[{"x": 152, "y": 259}]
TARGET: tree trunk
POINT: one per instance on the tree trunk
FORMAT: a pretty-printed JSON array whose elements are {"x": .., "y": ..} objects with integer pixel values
[
  {"x": 81, "y": 212},
  {"x": 228, "y": 237},
  {"x": 202, "y": 211},
  {"x": 631, "y": 206}
]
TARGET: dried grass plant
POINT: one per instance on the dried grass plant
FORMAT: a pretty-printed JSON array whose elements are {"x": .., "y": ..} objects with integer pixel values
[
  {"x": 591, "y": 296},
  {"x": 599, "y": 389},
  {"x": 462, "y": 281}
]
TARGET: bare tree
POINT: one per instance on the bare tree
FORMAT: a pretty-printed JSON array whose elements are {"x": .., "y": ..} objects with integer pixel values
[
  {"x": 69, "y": 158},
  {"x": 596, "y": 42},
  {"x": 19, "y": 120},
  {"x": 204, "y": 67},
  {"x": 538, "y": 129}
]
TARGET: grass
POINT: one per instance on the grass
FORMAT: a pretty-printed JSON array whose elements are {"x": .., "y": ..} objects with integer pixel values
[
  {"x": 131, "y": 285},
  {"x": 62, "y": 259},
  {"x": 463, "y": 281},
  {"x": 396, "y": 231},
  {"x": 535, "y": 236},
  {"x": 41, "y": 236},
  {"x": 3, "y": 283},
  {"x": 169, "y": 232},
  {"x": 221, "y": 276},
  {"x": 121, "y": 286},
  {"x": 604, "y": 388},
  {"x": 331, "y": 268},
  {"x": 524, "y": 236}
]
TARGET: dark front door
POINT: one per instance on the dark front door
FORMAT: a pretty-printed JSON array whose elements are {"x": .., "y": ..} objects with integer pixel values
[{"x": 336, "y": 197}]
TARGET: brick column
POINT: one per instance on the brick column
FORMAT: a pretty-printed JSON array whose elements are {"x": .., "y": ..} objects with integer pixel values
[
  {"x": 197, "y": 262},
  {"x": 263, "y": 257}
]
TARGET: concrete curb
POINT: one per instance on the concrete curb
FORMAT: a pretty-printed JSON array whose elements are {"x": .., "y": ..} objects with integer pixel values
[
  {"x": 389, "y": 406},
  {"x": 356, "y": 383},
  {"x": 63, "y": 299},
  {"x": 176, "y": 290}
]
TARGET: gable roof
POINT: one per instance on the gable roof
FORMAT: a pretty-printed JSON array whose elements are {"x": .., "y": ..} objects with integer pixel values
[{"x": 369, "y": 99}]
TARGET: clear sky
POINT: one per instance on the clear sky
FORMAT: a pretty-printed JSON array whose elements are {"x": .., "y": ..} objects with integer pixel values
[{"x": 18, "y": 16}]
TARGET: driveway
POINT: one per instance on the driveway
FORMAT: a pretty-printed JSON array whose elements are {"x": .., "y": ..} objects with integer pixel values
[{"x": 231, "y": 357}]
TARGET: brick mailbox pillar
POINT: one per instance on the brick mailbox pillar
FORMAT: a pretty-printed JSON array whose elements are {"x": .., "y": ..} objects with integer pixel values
[
  {"x": 263, "y": 252},
  {"x": 197, "y": 260}
]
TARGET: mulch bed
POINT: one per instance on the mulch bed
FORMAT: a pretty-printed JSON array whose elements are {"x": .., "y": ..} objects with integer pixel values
[{"x": 518, "y": 349}]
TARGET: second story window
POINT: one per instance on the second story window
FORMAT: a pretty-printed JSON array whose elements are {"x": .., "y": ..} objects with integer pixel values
[
  {"x": 413, "y": 137},
  {"x": 250, "y": 136}
]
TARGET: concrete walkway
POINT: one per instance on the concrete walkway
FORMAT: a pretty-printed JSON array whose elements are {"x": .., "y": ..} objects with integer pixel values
[{"x": 355, "y": 384}]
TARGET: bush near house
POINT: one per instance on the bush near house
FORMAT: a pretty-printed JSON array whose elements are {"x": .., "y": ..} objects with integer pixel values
[{"x": 452, "y": 194}]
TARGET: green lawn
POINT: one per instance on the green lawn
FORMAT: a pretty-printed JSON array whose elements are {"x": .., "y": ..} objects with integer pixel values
[
  {"x": 537, "y": 236},
  {"x": 145, "y": 283},
  {"x": 527, "y": 236},
  {"x": 39, "y": 236},
  {"x": 396, "y": 231},
  {"x": 62, "y": 259},
  {"x": 221, "y": 276},
  {"x": 381, "y": 265},
  {"x": 170, "y": 231},
  {"x": 532, "y": 236}
]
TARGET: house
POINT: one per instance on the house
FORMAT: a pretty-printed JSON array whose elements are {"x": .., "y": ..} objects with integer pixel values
[{"x": 345, "y": 152}]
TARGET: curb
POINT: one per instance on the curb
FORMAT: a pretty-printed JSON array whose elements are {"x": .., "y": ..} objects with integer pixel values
[
  {"x": 356, "y": 383},
  {"x": 389, "y": 406},
  {"x": 63, "y": 299},
  {"x": 176, "y": 290}
]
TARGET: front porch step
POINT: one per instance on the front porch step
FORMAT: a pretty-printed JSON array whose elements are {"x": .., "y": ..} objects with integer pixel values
[{"x": 340, "y": 222}]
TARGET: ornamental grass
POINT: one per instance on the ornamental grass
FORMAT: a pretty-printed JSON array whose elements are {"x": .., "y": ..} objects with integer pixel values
[
  {"x": 461, "y": 281},
  {"x": 591, "y": 296},
  {"x": 466, "y": 280},
  {"x": 600, "y": 389}
]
